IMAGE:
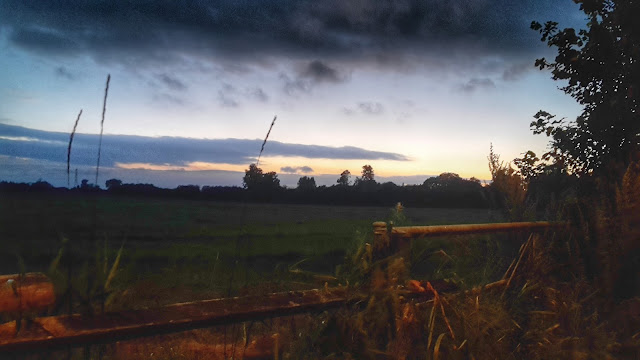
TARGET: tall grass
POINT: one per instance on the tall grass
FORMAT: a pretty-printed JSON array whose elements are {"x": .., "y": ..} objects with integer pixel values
[
  {"x": 241, "y": 246},
  {"x": 550, "y": 304},
  {"x": 73, "y": 132},
  {"x": 104, "y": 109},
  {"x": 265, "y": 139}
]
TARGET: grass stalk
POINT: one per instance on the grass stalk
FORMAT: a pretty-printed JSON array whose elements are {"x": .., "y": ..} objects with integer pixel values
[
  {"x": 265, "y": 139},
  {"x": 73, "y": 132},
  {"x": 104, "y": 109}
]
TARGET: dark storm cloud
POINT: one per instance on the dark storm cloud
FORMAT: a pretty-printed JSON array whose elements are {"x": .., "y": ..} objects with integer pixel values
[
  {"x": 296, "y": 169},
  {"x": 22, "y": 142},
  {"x": 371, "y": 31}
]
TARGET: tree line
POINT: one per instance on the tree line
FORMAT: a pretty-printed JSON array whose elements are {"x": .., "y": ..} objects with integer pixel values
[{"x": 445, "y": 190}]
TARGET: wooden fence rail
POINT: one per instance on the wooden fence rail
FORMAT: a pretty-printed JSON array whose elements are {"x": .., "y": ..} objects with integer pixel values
[
  {"x": 76, "y": 330},
  {"x": 400, "y": 237}
]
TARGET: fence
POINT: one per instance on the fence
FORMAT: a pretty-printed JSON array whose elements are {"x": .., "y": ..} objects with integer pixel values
[{"x": 77, "y": 330}]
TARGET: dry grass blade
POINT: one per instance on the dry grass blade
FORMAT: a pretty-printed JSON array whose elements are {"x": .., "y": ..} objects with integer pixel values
[
  {"x": 432, "y": 318},
  {"x": 436, "y": 347},
  {"x": 104, "y": 109},
  {"x": 446, "y": 320},
  {"x": 437, "y": 300},
  {"x": 73, "y": 132},
  {"x": 265, "y": 139},
  {"x": 515, "y": 268},
  {"x": 459, "y": 347},
  {"x": 506, "y": 274}
]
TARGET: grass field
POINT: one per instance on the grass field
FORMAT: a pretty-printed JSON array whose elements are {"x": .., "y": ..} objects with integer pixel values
[
  {"x": 201, "y": 248},
  {"x": 182, "y": 250}
]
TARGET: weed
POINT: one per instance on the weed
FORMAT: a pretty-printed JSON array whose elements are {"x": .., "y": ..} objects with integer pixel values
[
  {"x": 73, "y": 132},
  {"x": 104, "y": 109}
]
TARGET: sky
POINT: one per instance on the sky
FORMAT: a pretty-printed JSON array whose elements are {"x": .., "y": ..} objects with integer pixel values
[{"x": 412, "y": 88}]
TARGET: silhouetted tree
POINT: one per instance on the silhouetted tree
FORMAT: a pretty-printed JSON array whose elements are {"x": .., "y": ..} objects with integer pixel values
[
  {"x": 443, "y": 180},
  {"x": 86, "y": 186},
  {"x": 343, "y": 180},
  {"x": 507, "y": 187},
  {"x": 600, "y": 67},
  {"x": 306, "y": 183},
  {"x": 260, "y": 184},
  {"x": 528, "y": 166},
  {"x": 188, "y": 190},
  {"x": 113, "y": 184},
  {"x": 41, "y": 185},
  {"x": 367, "y": 173}
]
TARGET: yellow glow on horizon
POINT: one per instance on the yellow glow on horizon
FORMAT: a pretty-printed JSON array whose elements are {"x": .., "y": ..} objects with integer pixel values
[
  {"x": 383, "y": 168},
  {"x": 192, "y": 166}
]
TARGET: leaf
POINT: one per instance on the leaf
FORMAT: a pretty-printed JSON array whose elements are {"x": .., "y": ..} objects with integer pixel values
[{"x": 114, "y": 268}]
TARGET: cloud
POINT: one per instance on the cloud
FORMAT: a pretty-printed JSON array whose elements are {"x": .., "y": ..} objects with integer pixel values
[
  {"x": 258, "y": 94},
  {"x": 226, "y": 96},
  {"x": 164, "y": 98},
  {"x": 294, "y": 86},
  {"x": 365, "y": 107},
  {"x": 31, "y": 170},
  {"x": 296, "y": 169},
  {"x": 62, "y": 72},
  {"x": 22, "y": 142},
  {"x": 171, "y": 82},
  {"x": 371, "y": 108},
  {"x": 319, "y": 72},
  {"x": 309, "y": 75},
  {"x": 364, "y": 31},
  {"x": 517, "y": 71},
  {"x": 227, "y": 101},
  {"x": 476, "y": 84}
]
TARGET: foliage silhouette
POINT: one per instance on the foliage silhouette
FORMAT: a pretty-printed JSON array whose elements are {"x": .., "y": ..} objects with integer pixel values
[
  {"x": 343, "y": 180},
  {"x": 600, "y": 65},
  {"x": 306, "y": 183}
]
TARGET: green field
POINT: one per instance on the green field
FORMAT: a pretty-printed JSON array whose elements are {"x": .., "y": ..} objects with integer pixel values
[{"x": 202, "y": 248}]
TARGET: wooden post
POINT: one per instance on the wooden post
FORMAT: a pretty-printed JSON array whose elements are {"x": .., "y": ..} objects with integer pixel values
[
  {"x": 380, "y": 239},
  {"x": 28, "y": 292}
]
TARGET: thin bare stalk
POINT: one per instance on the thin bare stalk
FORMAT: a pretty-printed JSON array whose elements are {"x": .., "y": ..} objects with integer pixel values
[
  {"x": 265, "y": 139},
  {"x": 73, "y": 132},
  {"x": 104, "y": 109}
]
